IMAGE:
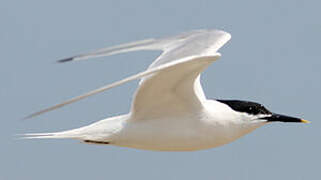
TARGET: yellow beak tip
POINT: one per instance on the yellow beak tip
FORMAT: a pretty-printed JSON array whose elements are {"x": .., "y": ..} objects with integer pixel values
[{"x": 305, "y": 121}]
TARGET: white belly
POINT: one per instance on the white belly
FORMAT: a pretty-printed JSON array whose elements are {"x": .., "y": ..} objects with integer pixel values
[{"x": 179, "y": 134}]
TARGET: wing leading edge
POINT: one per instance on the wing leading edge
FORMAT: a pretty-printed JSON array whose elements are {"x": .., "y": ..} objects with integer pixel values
[{"x": 177, "y": 51}]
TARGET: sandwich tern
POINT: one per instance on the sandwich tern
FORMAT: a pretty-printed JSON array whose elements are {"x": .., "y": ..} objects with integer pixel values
[{"x": 170, "y": 111}]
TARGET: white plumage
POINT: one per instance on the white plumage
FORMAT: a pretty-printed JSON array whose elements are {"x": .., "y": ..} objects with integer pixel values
[{"x": 170, "y": 111}]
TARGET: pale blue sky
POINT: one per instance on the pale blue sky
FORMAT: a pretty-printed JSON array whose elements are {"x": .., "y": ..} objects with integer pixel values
[{"x": 272, "y": 58}]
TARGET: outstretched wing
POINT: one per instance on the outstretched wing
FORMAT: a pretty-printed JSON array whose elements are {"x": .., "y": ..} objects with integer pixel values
[
  {"x": 163, "y": 44},
  {"x": 178, "y": 51},
  {"x": 177, "y": 89}
]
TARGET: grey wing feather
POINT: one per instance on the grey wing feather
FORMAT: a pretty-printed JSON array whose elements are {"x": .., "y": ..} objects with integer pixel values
[
  {"x": 147, "y": 44},
  {"x": 196, "y": 42},
  {"x": 112, "y": 85},
  {"x": 176, "y": 49}
]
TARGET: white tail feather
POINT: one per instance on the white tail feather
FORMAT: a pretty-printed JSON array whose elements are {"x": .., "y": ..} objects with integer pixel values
[{"x": 74, "y": 134}]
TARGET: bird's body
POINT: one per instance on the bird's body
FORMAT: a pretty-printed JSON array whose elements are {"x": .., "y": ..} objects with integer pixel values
[
  {"x": 185, "y": 132},
  {"x": 170, "y": 111}
]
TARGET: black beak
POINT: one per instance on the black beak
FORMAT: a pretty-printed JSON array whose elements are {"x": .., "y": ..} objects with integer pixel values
[{"x": 283, "y": 118}]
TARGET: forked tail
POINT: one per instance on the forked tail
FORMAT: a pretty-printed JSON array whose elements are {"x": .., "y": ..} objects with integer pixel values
[{"x": 73, "y": 134}]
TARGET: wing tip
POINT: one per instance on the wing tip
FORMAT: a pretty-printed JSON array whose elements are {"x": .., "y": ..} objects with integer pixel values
[
  {"x": 65, "y": 60},
  {"x": 30, "y": 116}
]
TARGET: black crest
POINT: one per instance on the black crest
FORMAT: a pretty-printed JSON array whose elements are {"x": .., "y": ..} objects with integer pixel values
[{"x": 246, "y": 106}]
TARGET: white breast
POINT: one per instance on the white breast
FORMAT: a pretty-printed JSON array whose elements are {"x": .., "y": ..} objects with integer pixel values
[{"x": 211, "y": 127}]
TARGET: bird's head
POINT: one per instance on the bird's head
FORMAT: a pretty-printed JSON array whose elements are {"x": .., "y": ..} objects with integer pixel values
[{"x": 259, "y": 112}]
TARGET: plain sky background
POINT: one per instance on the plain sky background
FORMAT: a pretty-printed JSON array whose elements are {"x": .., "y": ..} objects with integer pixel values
[{"x": 273, "y": 58}]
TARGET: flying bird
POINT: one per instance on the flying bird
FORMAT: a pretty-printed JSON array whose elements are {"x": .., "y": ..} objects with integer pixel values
[{"x": 169, "y": 111}]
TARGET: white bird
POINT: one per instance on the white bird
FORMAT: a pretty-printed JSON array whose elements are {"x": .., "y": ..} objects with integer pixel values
[{"x": 170, "y": 111}]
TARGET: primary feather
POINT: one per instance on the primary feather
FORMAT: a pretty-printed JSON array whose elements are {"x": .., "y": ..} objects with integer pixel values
[{"x": 176, "y": 50}]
